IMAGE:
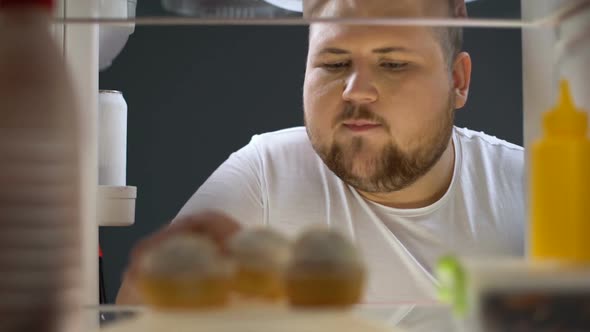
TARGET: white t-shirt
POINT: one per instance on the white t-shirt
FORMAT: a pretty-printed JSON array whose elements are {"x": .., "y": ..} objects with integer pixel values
[{"x": 278, "y": 180}]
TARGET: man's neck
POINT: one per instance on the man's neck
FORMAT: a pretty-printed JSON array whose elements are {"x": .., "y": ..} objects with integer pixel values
[{"x": 425, "y": 191}]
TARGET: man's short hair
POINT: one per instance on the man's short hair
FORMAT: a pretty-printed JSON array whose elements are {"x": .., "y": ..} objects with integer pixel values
[{"x": 452, "y": 37}]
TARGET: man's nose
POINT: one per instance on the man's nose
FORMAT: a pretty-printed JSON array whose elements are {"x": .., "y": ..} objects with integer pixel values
[{"x": 360, "y": 88}]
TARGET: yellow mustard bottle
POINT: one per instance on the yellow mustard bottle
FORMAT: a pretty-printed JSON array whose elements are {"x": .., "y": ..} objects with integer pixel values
[{"x": 560, "y": 185}]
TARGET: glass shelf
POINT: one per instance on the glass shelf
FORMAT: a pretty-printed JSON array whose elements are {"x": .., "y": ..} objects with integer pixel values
[
  {"x": 397, "y": 317},
  {"x": 482, "y": 13}
]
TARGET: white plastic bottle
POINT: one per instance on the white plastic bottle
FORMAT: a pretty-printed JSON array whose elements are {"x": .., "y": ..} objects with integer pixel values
[{"x": 39, "y": 175}]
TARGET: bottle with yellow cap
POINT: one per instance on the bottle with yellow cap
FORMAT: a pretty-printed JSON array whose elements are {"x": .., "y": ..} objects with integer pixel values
[{"x": 560, "y": 185}]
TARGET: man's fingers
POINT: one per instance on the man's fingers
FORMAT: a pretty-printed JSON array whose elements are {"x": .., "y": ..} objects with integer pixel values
[{"x": 215, "y": 225}]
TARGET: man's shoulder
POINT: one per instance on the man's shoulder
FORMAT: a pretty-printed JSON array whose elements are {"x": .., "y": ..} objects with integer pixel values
[
  {"x": 491, "y": 162},
  {"x": 291, "y": 171},
  {"x": 480, "y": 137},
  {"x": 493, "y": 188},
  {"x": 292, "y": 133},
  {"x": 284, "y": 151},
  {"x": 292, "y": 141},
  {"x": 480, "y": 143},
  {"x": 282, "y": 136}
]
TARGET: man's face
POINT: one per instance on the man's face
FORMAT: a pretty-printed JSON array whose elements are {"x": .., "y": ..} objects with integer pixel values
[{"x": 379, "y": 101}]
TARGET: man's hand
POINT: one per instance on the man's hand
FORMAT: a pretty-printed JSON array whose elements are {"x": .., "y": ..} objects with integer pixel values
[{"x": 215, "y": 225}]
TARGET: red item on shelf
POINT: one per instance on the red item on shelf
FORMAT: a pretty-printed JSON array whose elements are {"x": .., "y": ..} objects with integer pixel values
[{"x": 49, "y": 4}]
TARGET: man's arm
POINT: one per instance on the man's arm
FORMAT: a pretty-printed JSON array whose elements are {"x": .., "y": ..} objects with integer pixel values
[
  {"x": 234, "y": 189},
  {"x": 127, "y": 294}
]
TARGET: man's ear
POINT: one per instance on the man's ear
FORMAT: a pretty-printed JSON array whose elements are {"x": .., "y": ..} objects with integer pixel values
[
  {"x": 461, "y": 78},
  {"x": 460, "y": 9}
]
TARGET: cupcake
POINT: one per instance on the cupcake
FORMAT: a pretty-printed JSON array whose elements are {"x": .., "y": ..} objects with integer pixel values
[
  {"x": 260, "y": 256},
  {"x": 183, "y": 271},
  {"x": 325, "y": 270}
]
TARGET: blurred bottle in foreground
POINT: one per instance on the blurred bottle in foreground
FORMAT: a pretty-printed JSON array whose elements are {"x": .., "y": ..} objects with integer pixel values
[{"x": 39, "y": 175}]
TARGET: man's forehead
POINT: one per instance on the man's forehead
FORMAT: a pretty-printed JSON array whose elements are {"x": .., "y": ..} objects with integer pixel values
[
  {"x": 376, "y": 8},
  {"x": 330, "y": 38}
]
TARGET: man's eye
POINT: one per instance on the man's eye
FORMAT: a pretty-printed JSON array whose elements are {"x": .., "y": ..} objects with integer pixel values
[
  {"x": 394, "y": 65},
  {"x": 335, "y": 66}
]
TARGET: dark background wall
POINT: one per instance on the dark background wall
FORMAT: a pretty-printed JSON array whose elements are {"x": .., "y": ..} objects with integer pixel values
[{"x": 196, "y": 94}]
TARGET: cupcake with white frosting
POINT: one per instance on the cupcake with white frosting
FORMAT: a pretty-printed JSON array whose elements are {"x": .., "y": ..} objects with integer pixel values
[
  {"x": 325, "y": 270},
  {"x": 260, "y": 256},
  {"x": 184, "y": 271}
]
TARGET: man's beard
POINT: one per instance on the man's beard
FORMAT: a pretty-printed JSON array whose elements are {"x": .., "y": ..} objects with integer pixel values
[{"x": 391, "y": 169}]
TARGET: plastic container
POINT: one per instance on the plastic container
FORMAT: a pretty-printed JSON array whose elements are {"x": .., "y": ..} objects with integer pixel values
[
  {"x": 507, "y": 294},
  {"x": 116, "y": 205}
]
